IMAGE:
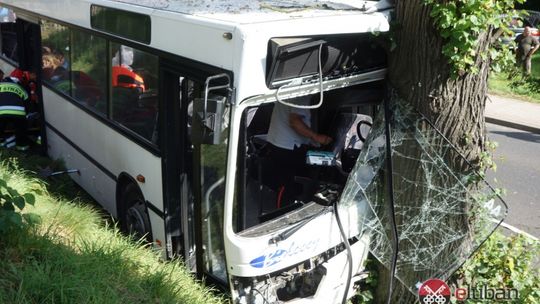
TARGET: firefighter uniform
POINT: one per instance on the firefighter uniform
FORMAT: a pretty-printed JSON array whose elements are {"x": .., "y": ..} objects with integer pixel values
[{"x": 13, "y": 102}]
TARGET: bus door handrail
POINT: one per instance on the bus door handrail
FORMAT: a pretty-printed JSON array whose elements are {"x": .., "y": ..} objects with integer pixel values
[{"x": 208, "y": 88}]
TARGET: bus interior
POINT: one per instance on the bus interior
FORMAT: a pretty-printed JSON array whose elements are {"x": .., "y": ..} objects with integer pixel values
[{"x": 346, "y": 116}]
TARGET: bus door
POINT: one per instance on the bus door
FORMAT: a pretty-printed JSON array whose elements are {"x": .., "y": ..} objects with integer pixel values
[
  {"x": 210, "y": 114},
  {"x": 29, "y": 50},
  {"x": 175, "y": 163},
  {"x": 28, "y": 54},
  {"x": 194, "y": 160}
]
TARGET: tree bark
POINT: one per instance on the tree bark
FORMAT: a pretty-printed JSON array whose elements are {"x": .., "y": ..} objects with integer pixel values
[{"x": 421, "y": 76}]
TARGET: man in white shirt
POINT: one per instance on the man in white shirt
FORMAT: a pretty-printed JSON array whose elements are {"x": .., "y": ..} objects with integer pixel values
[{"x": 290, "y": 135}]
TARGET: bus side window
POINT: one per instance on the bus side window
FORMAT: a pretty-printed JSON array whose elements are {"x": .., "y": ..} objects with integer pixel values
[
  {"x": 134, "y": 85},
  {"x": 8, "y": 32},
  {"x": 56, "y": 44},
  {"x": 89, "y": 71}
]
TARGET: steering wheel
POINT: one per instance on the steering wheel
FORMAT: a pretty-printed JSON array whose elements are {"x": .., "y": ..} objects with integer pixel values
[
  {"x": 339, "y": 164},
  {"x": 359, "y": 129}
]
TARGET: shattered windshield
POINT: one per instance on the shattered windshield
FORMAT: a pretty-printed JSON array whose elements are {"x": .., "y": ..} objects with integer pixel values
[{"x": 442, "y": 214}]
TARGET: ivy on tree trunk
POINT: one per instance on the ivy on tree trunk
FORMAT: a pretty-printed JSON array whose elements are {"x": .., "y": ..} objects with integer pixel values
[{"x": 422, "y": 77}]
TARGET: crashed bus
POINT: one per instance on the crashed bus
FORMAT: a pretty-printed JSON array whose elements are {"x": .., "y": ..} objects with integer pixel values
[{"x": 163, "y": 109}]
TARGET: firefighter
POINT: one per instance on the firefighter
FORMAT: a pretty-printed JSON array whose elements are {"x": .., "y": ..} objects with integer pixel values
[
  {"x": 27, "y": 80},
  {"x": 13, "y": 102}
]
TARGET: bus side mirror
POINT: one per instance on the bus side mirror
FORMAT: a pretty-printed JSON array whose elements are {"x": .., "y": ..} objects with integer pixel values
[{"x": 209, "y": 120}]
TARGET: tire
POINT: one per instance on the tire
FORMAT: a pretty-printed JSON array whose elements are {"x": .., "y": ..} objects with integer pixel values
[{"x": 134, "y": 220}]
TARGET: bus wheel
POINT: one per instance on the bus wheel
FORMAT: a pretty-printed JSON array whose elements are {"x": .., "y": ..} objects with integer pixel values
[{"x": 135, "y": 218}]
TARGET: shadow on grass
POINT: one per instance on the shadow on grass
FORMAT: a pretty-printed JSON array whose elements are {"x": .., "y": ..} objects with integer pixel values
[
  {"x": 40, "y": 270},
  {"x": 59, "y": 186}
]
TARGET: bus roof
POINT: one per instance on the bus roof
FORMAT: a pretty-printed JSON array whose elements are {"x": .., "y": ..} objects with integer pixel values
[
  {"x": 206, "y": 24},
  {"x": 256, "y": 11}
]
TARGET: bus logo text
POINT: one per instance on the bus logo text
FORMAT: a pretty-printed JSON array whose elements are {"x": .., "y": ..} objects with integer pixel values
[{"x": 277, "y": 255}]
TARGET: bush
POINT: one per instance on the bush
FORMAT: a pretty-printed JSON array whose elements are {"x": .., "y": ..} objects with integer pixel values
[
  {"x": 11, "y": 205},
  {"x": 504, "y": 262}
]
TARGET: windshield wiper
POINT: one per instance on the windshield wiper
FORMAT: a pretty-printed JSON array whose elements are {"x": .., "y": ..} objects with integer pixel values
[
  {"x": 326, "y": 197},
  {"x": 288, "y": 232}
]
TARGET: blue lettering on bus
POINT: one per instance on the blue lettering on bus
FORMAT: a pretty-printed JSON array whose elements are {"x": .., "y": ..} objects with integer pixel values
[{"x": 278, "y": 255}]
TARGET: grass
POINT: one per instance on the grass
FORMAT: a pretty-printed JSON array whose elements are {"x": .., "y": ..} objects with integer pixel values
[
  {"x": 524, "y": 88},
  {"x": 76, "y": 255}
]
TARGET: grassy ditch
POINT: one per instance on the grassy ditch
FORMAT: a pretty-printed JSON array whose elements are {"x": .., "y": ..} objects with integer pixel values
[{"x": 75, "y": 255}]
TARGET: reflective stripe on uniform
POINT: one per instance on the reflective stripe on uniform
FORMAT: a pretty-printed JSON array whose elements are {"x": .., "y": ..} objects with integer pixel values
[
  {"x": 14, "y": 108},
  {"x": 12, "y": 112},
  {"x": 13, "y": 88}
]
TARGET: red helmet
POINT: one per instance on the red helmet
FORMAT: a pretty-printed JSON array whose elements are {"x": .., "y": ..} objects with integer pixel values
[
  {"x": 17, "y": 73},
  {"x": 22, "y": 76}
]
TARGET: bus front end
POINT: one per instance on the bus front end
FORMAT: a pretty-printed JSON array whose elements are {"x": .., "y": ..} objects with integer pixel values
[{"x": 299, "y": 243}]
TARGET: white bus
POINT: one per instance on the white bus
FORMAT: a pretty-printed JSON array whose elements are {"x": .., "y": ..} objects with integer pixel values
[{"x": 163, "y": 108}]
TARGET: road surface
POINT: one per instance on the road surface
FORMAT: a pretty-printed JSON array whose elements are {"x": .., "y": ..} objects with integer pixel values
[{"x": 518, "y": 171}]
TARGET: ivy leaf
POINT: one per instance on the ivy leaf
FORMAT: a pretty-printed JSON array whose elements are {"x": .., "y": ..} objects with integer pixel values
[
  {"x": 510, "y": 264},
  {"x": 12, "y": 191},
  {"x": 15, "y": 219},
  {"x": 8, "y": 206},
  {"x": 474, "y": 20},
  {"x": 19, "y": 202},
  {"x": 29, "y": 198},
  {"x": 32, "y": 218}
]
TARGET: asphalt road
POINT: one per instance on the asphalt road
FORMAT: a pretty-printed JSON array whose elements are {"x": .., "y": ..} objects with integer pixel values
[{"x": 518, "y": 171}]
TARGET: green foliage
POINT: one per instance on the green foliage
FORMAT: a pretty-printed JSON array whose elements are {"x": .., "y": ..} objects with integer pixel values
[
  {"x": 511, "y": 82},
  {"x": 460, "y": 23},
  {"x": 72, "y": 257},
  {"x": 11, "y": 205},
  {"x": 366, "y": 291},
  {"x": 485, "y": 159},
  {"x": 523, "y": 82},
  {"x": 504, "y": 262}
]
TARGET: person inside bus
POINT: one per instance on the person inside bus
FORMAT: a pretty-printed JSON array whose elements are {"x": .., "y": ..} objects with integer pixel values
[
  {"x": 289, "y": 137},
  {"x": 127, "y": 90},
  {"x": 122, "y": 71},
  {"x": 13, "y": 103},
  {"x": 53, "y": 71}
]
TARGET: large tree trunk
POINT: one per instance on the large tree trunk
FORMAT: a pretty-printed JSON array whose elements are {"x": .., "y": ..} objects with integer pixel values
[{"x": 420, "y": 74}]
